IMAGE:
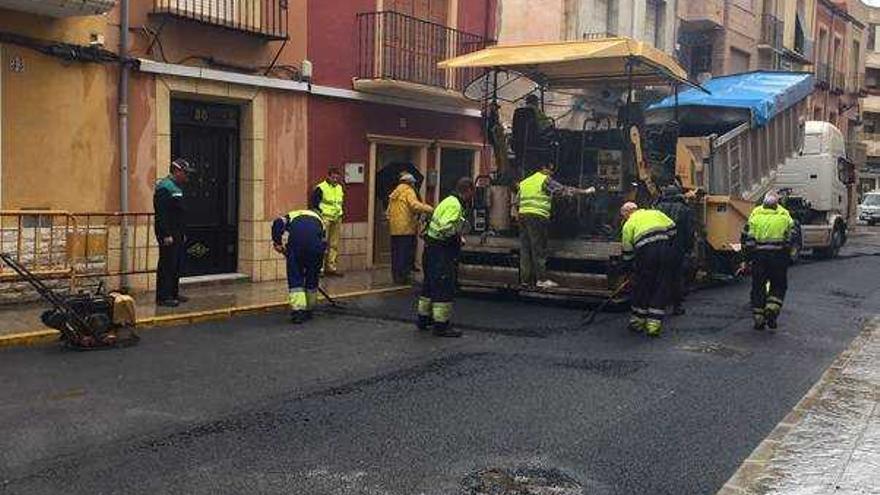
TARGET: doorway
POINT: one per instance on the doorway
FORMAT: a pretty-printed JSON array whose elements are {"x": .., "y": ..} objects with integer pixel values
[
  {"x": 455, "y": 163},
  {"x": 207, "y": 134},
  {"x": 387, "y": 155}
]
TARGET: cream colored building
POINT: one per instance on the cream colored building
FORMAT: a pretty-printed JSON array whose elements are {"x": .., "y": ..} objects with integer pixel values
[{"x": 869, "y": 176}]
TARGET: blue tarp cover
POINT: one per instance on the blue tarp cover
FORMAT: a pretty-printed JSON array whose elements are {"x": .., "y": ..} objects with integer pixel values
[{"x": 765, "y": 93}]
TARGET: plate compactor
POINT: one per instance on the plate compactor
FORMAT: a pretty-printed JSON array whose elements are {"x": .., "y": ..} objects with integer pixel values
[{"x": 87, "y": 321}]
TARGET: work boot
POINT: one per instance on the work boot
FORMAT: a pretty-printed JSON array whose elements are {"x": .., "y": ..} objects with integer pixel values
[
  {"x": 678, "y": 310},
  {"x": 547, "y": 284},
  {"x": 653, "y": 328},
  {"x": 759, "y": 322},
  {"x": 772, "y": 312},
  {"x": 298, "y": 317},
  {"x": 636, "y": 324},
  {"x": 771, "y": 320},
  {"x": 334, "y": 273},
  {"x": 424, "y": 322},
  {"x": 168, "y": 303},
  {"x": 444, "y": 329},
  {"x": 182, "y": 299}
]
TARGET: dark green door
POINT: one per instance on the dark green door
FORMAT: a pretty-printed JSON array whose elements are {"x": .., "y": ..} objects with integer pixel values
[{"x": 207, "y": 135}]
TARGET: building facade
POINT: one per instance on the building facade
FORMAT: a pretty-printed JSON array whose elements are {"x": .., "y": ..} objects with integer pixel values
[
  {"x": 839, "y": 65},
  {"x": 263, "y": 96},
  {"x": 718, "y": 37},
  {"x": 869, "y": 175}
]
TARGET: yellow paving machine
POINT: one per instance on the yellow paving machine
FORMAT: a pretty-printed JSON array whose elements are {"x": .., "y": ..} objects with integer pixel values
[{"x": 665, "y": 129}]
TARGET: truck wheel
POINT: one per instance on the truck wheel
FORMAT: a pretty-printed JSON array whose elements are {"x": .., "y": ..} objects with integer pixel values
[{"x": 836, "y": 242}]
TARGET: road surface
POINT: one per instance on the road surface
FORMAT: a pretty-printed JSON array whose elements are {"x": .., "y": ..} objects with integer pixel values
[{"x": 358, "y": 402}]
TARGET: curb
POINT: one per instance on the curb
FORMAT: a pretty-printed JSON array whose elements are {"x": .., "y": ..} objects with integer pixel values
[
  {"x": 749, "y": 477},
  {"x": 45, "y": 336}
]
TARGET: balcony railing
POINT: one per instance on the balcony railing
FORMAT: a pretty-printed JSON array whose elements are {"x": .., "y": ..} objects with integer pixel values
[
  {"x": 263, "y": 18},
  {"x": 771, "y": 31},
  {"x": 403, "y": 48}
]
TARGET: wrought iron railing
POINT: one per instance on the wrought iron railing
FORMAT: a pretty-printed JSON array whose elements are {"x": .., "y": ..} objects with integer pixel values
[
  {"x": 771, "y": 31},
  {"x": 264, "y": 18},
  {"x": 405, "y": 48}
]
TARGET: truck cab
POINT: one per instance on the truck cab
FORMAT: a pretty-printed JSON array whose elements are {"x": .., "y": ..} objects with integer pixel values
[{"x": 817, "y": 182}]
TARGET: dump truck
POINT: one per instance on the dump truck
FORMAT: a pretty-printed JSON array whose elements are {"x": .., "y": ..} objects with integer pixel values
[
  {"x": 722, "y": 152},
  {"x": 819, "y": 188}
]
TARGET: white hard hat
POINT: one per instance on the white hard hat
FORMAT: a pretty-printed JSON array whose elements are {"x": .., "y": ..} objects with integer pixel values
[{"x": 407, "y": 177}]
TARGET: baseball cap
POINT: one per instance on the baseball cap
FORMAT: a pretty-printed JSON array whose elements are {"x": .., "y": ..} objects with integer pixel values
[{"x": 182, "y": 164}]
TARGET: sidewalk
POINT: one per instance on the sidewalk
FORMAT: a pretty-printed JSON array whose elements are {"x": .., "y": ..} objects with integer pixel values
[
  {"x": 830, "y": 442},
  {"x": 208, "y": 298}
]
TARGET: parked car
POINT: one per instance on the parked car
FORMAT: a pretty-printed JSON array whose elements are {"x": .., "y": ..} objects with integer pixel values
[{"x": 869, "y": 209}]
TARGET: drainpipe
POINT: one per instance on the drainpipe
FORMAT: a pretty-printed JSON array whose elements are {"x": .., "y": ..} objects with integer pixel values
[{"x": 122, "y": 112}]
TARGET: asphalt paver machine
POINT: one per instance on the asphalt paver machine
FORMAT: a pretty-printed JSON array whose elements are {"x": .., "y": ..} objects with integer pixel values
[
  {"x": 723, "y": 142},
  {"x": 620, "y": 156}
]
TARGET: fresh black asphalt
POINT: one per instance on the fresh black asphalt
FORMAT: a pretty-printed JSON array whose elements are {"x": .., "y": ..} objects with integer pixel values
[{"x": 358, "y": 402}]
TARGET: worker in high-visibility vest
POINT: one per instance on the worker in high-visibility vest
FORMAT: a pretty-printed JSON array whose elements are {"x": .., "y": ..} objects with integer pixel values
[
  {"x": 328, "y": 198},
  {"x": 647, "y": 242},
  {"x": 440, "y": 260},
  {"x": 766, "y": 241},
  {"x": 536, "y": 194},
  {"x": 305, "y": 254}
]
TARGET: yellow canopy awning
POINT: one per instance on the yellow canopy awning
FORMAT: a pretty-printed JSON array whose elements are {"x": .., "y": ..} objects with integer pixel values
[{"x": 577, "y": 64}]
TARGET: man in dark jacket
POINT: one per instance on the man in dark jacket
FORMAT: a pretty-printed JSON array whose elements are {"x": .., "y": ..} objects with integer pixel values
[
  {"x": 673, "y": 203},
  {"x": 170, "y": 229}
]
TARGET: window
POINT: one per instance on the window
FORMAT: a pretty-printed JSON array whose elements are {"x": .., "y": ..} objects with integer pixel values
[
  {"x": 872, "y": 78},
  {"x": 822, "y": 58},
  {"x": 654, "y": 23},
  {"x": 701, "y": 60},
  {"x": 611, "y": 16},
  {"x": 872, "y": 37},
  {"x": 429, "y": 10},
  {"x": 739, "y": 61}
]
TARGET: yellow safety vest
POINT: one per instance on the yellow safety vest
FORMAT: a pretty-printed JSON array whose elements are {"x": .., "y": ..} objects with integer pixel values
[
  {"x": 769, "y": 229},
  {"x": 447, "y": 219},
  {"x": 308, "y": 213},
  {"x": 533, "y": 200},
  {"x": 332, "y": 198},
  {"x": 645, "y": 227}
]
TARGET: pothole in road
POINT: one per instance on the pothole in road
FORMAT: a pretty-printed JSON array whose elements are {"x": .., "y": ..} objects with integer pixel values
[
  {"x": 716, "y": 349},
  {"x": 521, "y": 481}
]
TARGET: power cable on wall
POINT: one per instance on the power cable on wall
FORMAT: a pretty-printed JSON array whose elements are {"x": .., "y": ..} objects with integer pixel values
[
  {"x": 65, "y": 51},
  {"x": 287, "y": 71}
]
